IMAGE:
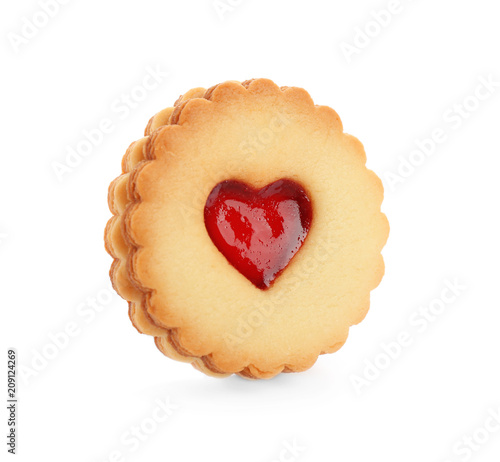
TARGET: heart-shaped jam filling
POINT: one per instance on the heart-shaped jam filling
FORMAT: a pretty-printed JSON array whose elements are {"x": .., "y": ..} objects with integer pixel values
[{"x": 258, "y": 230}]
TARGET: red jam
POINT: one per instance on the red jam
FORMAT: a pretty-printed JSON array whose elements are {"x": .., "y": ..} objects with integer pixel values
[{"x": 258, "y": 231}]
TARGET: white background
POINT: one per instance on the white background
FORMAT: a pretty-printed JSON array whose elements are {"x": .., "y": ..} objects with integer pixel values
[{"x": 402, "y": 85}]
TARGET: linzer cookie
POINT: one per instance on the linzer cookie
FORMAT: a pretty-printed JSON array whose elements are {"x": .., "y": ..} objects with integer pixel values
[{"x": 246, "y": 230}]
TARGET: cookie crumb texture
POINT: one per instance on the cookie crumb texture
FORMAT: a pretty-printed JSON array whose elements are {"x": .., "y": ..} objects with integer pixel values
[{"x": 183, "y": 291}]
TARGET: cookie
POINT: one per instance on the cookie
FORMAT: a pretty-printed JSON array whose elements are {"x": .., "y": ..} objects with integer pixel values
[{"x": 246, "y": 230}]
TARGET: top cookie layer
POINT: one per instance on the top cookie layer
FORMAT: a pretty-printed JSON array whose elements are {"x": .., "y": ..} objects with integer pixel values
[{"x": 256, "y": 133}]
